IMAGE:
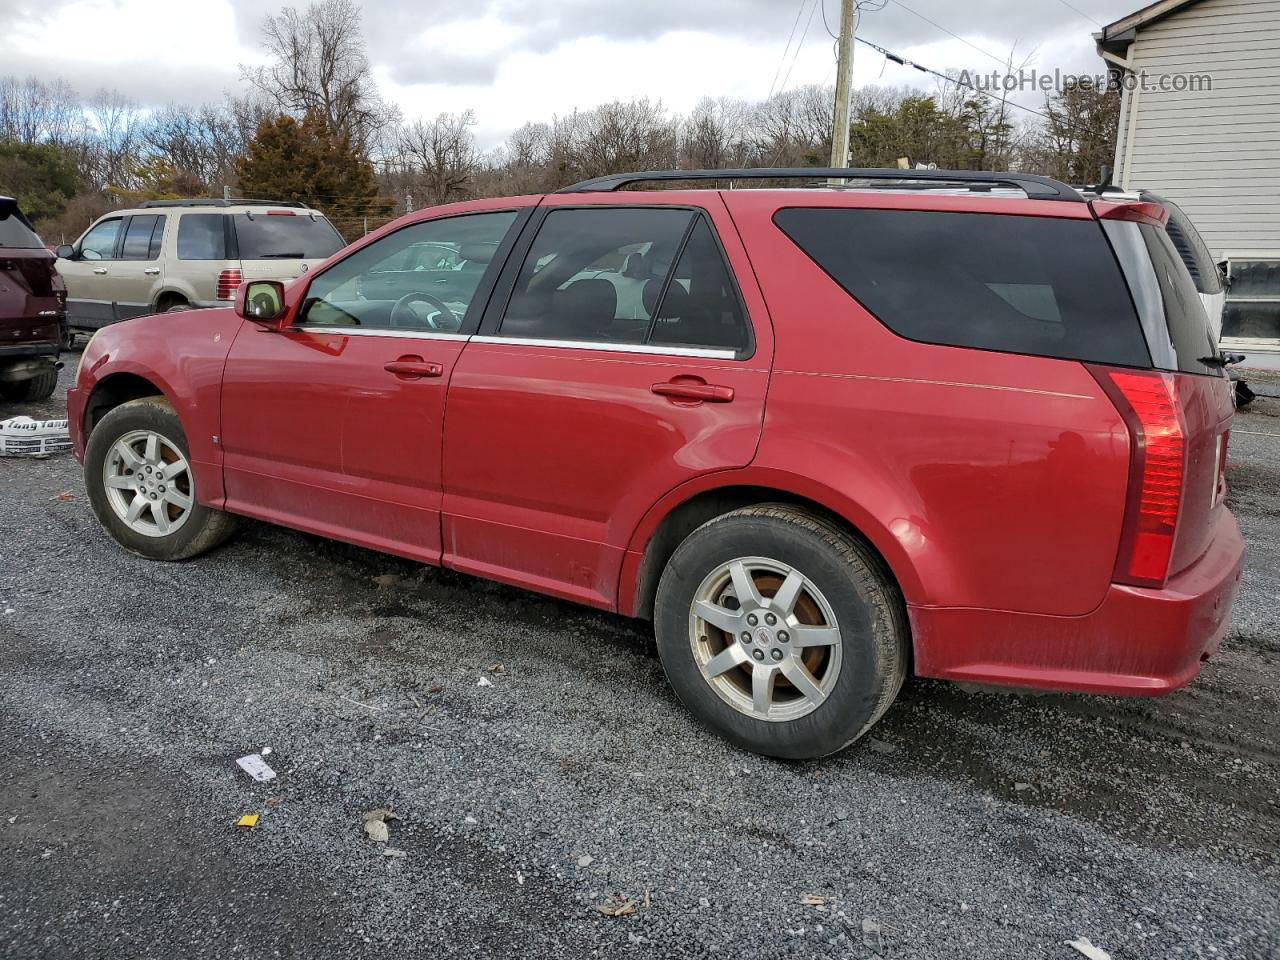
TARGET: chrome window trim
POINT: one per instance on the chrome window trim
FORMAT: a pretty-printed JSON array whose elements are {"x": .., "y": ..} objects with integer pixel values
[
  {"x": 379, "y": 332},
  {"x": 705, "y": 353}
]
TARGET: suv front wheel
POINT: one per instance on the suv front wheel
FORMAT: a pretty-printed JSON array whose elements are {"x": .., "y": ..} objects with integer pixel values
[
  {"x": 137, "y": 470},
  {"x": 782, "y": 631}
]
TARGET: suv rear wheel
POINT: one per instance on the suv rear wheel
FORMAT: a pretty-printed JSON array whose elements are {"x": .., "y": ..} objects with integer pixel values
[
  {"x": 39, "y": 387},
  {"x": 781, "y": 631},
  {"x": 137, "y": 471}
]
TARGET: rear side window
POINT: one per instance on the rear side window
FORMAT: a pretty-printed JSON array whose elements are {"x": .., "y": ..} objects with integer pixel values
[
  {"x": 627, "y": 275},
  {"x": 201, "y": 237},
  {"x": 15, "y": 231},
  {"x": 701, "y": 306},
  {"x": 266, "y": 236},
  {"x": 138, "y": 235},
  {"x": 1034, "y": 285}
]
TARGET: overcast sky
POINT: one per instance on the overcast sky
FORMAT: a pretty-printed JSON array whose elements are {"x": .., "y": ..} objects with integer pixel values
[{"x": 518, "y": 60}]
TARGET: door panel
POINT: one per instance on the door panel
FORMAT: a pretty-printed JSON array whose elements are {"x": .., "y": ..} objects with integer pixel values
[
  {"x": 88, "y": 276},
  {"x": 137, "y": 275},
  {"x": 318, "y": 435},
  {"x": 334, "y": 423},
  {"x": 562, "y": 434},
  {"x": 552, "y": 456}
]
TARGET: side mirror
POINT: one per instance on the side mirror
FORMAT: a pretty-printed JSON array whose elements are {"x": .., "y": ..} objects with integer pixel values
[
  {"x": 261, "y": 301},
  {"x": 65, "y": 251}
]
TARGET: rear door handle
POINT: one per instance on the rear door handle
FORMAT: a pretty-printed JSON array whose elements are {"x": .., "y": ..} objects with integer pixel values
[
  {"x": 99, "y": 270},
  {"x": 413, "y": 368},
  {"x": 693, "y": 391}
]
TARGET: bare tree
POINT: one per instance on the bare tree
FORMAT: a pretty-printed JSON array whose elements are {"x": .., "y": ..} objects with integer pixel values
[
  {"x": 440, "y": 156},
  {"x": 320, "y": 63},
  {"x": 32, "y": 111},
  {"x": 116, "y": 144},
  {"x": 714, "y": 135}
]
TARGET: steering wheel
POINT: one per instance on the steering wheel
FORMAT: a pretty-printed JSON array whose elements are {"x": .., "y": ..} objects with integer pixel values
[{"x": 443, "y": 319}]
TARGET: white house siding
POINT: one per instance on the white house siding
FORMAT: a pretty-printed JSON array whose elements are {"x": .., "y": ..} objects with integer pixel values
[{"x": 1214, "y": 152}]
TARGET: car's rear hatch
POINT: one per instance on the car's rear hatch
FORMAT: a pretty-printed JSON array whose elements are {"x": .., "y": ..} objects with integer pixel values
[
  {"x": 1179, "y": 413},
  {"x": 32, "y": 295}
]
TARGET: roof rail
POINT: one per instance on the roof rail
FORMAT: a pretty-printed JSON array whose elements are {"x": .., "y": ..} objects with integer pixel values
[
  {"x": 1037, "y": 188},
  {"x": 220, "y": 202}
]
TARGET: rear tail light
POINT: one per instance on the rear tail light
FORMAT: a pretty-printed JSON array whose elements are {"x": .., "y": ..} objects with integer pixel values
[
  {"x": 1148, "y": 402},
  {"x": 228, "y": 281},
  {"x": 1220, "y": 487}
]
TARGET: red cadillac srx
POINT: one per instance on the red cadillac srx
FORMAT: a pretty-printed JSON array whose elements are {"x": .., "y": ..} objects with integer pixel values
[{"x": 957, "y": 424}]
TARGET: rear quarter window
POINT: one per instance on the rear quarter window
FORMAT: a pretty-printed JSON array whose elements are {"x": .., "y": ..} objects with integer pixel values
[
  {"x": 201, "y": 236},
  {"x": 1017, "y": 284}
]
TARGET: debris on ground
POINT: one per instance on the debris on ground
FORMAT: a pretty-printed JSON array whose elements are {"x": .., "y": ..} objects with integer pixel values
[
  {"x": 871, "y": 938},
  {"x": 24, "y": 437},
  {"x": 616, "y": 906},
  {"x": 394, "y": 852},
  {"x": 1083, "y": 945},
  {"x": 248, "y": 820},
  {"x": 497, "y": 668},
  {"x": 1022, "y": 787},
  {"x": 435, "y": 688},
  {"x": 65, "y": 496},
  {"x": 585, "y": 860},
  {"x": 881, "y": 746},
  {"x": 813, "y": 900},
  {"x": 484, "y": 682},
  {"x": 256, "y": 767},
  {"x": 375, "y": 824}
]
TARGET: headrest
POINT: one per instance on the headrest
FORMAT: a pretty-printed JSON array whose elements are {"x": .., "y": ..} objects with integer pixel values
[{"x": 477, "y": 252}]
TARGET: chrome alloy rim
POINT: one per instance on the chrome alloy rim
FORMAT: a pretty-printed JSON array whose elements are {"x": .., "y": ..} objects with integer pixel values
[
  {"x": 765, "y": 639},
  {"x": 148, "y": 483}
]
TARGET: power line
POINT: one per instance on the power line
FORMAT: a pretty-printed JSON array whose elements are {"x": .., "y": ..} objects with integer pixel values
[
  {"x": 800, "y": 45},
  {"x": 1081, "y": 13},
  {"x": 795, "y": 23},
  {"x": 903, "y": 61},
  {"x": 934, "y": 23}
]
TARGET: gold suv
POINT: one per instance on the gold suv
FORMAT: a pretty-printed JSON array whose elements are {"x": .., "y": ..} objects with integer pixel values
[{"x": 178, "y": 254}]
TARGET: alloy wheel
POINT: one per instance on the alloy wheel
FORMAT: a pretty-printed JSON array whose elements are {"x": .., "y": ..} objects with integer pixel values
[
  {"x": 765, "y": 639},
  {"x": 148, "y": 483}
]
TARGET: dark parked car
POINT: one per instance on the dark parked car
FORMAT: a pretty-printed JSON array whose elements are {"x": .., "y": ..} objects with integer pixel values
[
  {"x": 32, "y": 310},
  {"x": 822, "y": 438}
]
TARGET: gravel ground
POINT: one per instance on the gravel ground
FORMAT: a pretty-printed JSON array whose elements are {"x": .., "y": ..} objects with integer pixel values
[{"x": 975, "y": 824}]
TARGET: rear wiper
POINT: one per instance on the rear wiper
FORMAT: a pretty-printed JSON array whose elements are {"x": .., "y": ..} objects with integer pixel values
[
  {"x": 282, "y": 256},
  {"x": 1222, "y": 360}
]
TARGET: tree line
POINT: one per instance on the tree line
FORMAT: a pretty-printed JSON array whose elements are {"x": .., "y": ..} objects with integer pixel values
[{"x": 311, "y": 126}]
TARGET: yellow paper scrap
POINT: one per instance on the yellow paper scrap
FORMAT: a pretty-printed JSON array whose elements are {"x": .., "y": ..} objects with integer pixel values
[{"x": 248, "y": 820}]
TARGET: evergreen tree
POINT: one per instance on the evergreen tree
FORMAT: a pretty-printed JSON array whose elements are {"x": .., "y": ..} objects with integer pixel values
[{"x": 305, "y": 160}]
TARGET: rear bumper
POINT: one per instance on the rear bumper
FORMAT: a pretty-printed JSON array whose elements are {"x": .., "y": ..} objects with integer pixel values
[
  {"x": 28, "y": 350},
  {"x": 1138, "y": 641},
  {"x": 75, "y": 422}
]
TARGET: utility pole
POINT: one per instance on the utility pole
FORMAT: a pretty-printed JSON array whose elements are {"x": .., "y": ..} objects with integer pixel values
[{"x": 844, "y": 80}]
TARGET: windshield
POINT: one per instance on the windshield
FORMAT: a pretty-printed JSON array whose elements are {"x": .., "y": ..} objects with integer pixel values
[
  {"x": 14, "y": 229},
  {"x": 289, "y": 237}
]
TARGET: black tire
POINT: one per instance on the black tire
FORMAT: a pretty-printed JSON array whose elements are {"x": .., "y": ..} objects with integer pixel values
[
  {"x": 39, "y": 387},
  {"x": 204, "y": 527},
  {"x": 862, "y": 594}
]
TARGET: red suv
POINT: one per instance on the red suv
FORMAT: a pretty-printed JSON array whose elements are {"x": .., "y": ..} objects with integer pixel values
[
  {"x": 966, "y": 425},
  {"x": 33, "y": 302}
]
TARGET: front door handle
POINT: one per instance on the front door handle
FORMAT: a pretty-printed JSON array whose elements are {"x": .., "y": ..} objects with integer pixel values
[
  {"x": 693, "y": 390},
  {"x": 413, "y": 368},
  {"x": 150, "y": 271},
  {"x": 100, "y": 270}
]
